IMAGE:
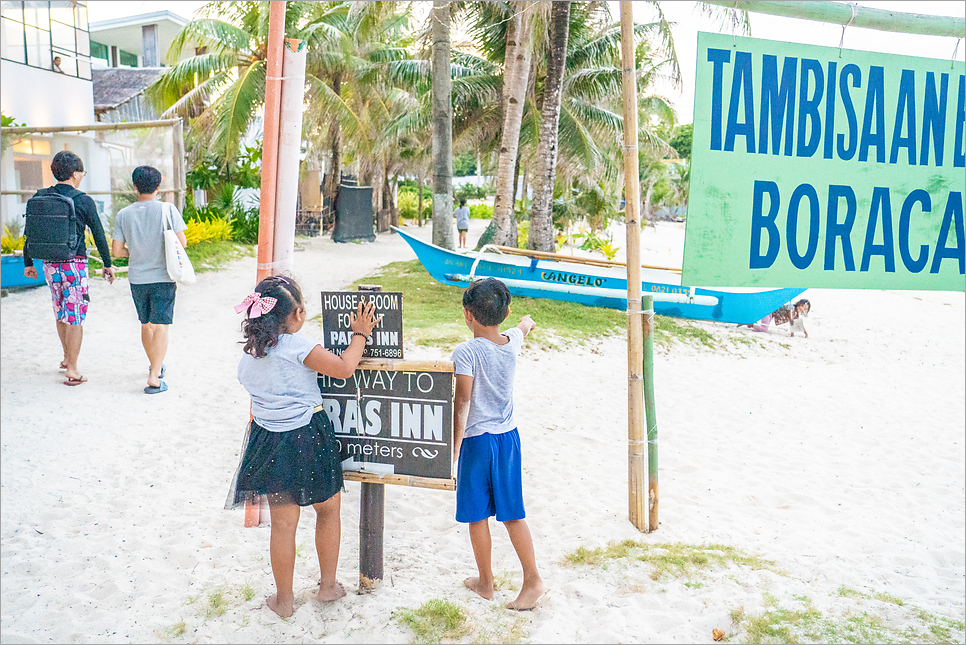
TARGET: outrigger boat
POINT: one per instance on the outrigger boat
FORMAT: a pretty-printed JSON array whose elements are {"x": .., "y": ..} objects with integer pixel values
[{"x": 598, "y": 283}]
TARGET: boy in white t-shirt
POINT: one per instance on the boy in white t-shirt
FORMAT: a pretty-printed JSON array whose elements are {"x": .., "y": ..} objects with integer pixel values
[{"x": 485, "y": 438}]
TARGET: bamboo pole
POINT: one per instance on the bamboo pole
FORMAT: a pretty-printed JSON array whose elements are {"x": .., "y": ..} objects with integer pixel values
[
  {"x": 557, "y": 257},
  {"x": 434, "y": 483},
  {"x": 840, "y": 13},
  {"x": 636, "y": 464},
  {"x": 180, "y": 166},
  {"x": 273, "y": 98},
  {"x": 651, "y": 413},
  {"x": 27, "y": 129}
]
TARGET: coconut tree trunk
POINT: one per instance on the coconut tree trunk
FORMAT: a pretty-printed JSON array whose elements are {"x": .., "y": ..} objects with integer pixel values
[
  {"x": 515, "y": 76},
  {"x": 541, "y": 237},
  {"x": 442, "y": 128},
  {"x": 419, "y": 187},
  {"x": 334, "y": 178}
]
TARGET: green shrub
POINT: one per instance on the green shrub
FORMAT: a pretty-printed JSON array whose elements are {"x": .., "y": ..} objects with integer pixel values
[
  {"x": 481, "y": 211},
  {"x": 213, "y": 230}
]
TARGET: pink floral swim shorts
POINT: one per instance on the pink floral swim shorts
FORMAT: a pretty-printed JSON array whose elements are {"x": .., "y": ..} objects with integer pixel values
[{"x": 68, "y": 289}]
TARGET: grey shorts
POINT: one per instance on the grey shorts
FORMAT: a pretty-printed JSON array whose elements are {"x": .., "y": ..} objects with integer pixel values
[{"x": 154, "y": 302}]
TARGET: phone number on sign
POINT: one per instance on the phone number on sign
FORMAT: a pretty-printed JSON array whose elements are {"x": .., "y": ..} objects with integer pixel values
[{"x": 384, "y": 352}]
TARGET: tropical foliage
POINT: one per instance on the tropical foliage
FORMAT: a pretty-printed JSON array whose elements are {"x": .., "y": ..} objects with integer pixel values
[{"x": 368, "y": 108}]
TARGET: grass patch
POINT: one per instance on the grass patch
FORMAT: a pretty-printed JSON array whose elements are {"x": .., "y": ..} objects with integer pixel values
[
  {"x": 434, "y": 620},
  {"x": 214, "y": 255},
  {"x": 504, "y": 581},
  {"x": 503, "y": 626},
  {"x": 216, "y": 604},
  {"x": 175, "y": 631},
  {"x": 669, "y": 559},
  {"x": 248, "y": 591},
  {"x": 668, "y": 329},
  {"x": 433, "y": 314},
  {"x": 802, "y": 622},
  {"x": 881, "y": 596}
]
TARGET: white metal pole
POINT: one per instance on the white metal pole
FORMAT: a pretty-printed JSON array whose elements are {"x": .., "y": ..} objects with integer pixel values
[{"x": 289, "y": 150}]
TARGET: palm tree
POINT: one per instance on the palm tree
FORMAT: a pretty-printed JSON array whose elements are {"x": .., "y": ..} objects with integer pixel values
[
  {"x": 350, "y": 102},
  {"x": 515, "y": 80},
  {"x": 541, "y": 220},
  {"x": 442, "y": 127},
  {"x": 221, "y": 89}
]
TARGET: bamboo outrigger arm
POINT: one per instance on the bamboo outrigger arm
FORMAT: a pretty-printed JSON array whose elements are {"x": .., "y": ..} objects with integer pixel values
[
  {"x": 557, "y": 257},
  {"x": 855, "y": 15}
]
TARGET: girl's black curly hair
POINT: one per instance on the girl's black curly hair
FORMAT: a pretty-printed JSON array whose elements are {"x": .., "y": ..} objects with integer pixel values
[{"x": 262, "y": 333}]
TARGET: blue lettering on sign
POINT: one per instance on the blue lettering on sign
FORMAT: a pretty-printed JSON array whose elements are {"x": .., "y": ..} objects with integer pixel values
[
  {"x": 952, "y": 218},
  {"x": 934, "y": 118},
  {"x": 881, "y": 238},
  {"x": 572, "y": 278},
  {"x": 880, "y": 203},
  {"x": 767, "y": 222},
  {"x": 790, "y": 114},
  {"x": 843, "y": 231}
]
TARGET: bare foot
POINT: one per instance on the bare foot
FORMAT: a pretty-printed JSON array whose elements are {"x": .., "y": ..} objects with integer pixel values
[
  {"x": 282, "y": 608},
  {"x": 333, "y": 592},
  {"x": 529, "y": 596},
  {"x": 474, "y": 585},
  {"x": 63, "y": 365}
]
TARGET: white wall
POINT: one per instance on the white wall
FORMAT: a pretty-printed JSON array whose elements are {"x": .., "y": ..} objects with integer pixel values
[{"x": 39, "y": 97}]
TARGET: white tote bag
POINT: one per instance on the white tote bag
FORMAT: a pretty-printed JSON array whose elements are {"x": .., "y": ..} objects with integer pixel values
[{"x": 179, "y": 266}]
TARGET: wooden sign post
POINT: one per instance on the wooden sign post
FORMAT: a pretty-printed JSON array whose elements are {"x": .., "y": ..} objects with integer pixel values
[{"x": 393, "y": 421}]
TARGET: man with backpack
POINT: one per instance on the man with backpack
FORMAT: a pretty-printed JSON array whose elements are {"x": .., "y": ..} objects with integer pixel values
[{"x": 57, "y": 219}]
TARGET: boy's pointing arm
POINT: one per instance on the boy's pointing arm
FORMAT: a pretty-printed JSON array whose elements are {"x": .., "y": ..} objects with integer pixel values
[{"x": 526, "y": 325}]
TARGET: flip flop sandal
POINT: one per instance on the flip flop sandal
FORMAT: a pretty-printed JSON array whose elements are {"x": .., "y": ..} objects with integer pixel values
[
  {"x": 75, "y": 381},
  {"x": 150, "y": 389}
]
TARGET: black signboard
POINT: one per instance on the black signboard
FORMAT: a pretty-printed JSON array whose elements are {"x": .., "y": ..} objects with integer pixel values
[
  {"x": 353, "y": 214},
  {"x": 393, "y": 417},
  {"x": 386, "y": 340}
]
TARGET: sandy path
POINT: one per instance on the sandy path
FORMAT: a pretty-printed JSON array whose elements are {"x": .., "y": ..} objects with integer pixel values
[{"x": 840, "y": 457}]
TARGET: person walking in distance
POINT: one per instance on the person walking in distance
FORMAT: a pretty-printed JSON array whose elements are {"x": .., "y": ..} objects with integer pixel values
[
  {"x": 66, "y": 273},
  {"x": 139, "y": 235}
]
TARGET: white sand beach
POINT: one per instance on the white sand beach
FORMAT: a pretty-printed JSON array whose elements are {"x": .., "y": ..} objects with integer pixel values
[{"x": 840, "y": 458}]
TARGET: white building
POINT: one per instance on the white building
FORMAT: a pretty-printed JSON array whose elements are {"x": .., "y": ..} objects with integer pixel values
[{"x": 47, "y": 54}]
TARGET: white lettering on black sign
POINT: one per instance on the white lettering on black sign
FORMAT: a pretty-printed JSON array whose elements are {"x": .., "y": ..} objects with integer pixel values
[
  {"x": 386, "y": 340},
  {"x": 395, "y": 422}
]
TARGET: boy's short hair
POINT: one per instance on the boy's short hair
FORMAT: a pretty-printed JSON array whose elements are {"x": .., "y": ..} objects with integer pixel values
[
  {"x": 488, "y": 300},
  {"x": 64, "y": 164},
  {"x": 146, "y": 179}
]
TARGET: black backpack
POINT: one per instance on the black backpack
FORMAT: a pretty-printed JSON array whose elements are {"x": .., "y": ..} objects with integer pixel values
[{"x": 51, "y": 226}]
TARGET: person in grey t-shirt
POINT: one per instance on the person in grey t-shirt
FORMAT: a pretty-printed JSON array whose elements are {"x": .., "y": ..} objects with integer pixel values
[
  {"x": 489, "y": 475},
  {"x": 462, "y": 221},
  {"x": 139, "y": 234}
]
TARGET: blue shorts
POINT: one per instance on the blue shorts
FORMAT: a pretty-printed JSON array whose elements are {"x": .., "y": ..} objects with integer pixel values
[{"x": 489, "y": 478}]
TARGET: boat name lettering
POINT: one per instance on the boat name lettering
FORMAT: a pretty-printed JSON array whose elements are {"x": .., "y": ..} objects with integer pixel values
[
  {"x": 660, "y": 288},
  {"x": 572, "y": 278}
]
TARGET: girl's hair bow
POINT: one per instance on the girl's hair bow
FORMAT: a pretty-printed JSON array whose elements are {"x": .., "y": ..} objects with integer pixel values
[{"x": 258, "y": 304}]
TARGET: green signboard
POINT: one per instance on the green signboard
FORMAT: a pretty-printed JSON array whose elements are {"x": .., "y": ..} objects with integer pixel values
[{"x": 819, "y": 167}]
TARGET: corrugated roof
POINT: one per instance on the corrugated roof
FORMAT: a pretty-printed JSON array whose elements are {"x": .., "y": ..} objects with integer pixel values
[{"x": 117, "y": 85}]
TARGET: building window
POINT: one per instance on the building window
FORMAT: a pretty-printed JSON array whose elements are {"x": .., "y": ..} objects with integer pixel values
[
  {"x": 47, "y": 35},
  {"x": 100, "y": 52},
  {"x": 126, "y": 59}
]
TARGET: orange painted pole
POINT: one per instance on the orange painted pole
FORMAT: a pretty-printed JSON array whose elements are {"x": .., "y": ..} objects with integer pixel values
[
  {"x": 266, "y": 203},
  {"x": 273, "y": 99}
]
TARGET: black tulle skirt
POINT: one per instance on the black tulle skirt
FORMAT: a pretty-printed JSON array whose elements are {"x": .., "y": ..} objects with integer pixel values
[{"x": 298, "y": 466}]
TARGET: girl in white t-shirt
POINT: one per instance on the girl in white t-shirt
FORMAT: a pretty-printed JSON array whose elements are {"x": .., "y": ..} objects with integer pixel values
[{"x": 291, "y": 453}]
